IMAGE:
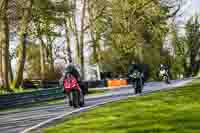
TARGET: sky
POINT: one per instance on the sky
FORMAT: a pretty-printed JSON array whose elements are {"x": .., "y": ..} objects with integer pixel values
[
  {"x": 195, "y": 6},
  {"x": 192, "y": 7}
]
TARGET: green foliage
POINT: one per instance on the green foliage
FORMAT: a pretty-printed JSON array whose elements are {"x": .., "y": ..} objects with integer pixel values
[
  {"x": 46, "y": 22},
  {"x": 32, "y": 67},
  {"x": 193, "y": 44},
  {"x": 187, "y": 48},
  {"x": 99, "y": 25},
  {"x": 136, "y": 32}
]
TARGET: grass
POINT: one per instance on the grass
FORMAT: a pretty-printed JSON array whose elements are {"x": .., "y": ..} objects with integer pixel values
[
  {"x": 95, "y": 92},
  {"x": 174, "y": 111},
  {"x": 16, "y": 90}
]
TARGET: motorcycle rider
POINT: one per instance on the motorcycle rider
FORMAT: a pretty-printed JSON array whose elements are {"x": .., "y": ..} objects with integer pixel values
[
  {"x": 72, "y": 70},
  {"x": 137, "y": 78},
  {"x": 72, "y": 83},
  {"x": 164, "y": 71},
  {"x": 69, "y": 69}
]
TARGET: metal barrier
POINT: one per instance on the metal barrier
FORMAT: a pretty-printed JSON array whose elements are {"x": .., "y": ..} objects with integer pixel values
[
  {"x": 13, "y": 100},
  {"x": 96, "y": 83}
]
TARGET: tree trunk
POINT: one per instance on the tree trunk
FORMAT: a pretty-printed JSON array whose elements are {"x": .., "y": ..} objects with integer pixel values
[
  {"x": 82, "y": 39},
  {"x": 1, "y": 64},
  {"x": 23, "y": 42},
  {"x": 42, "y": 58},
  {"x": 92, "y": 33},
  {"x": 140, "y": 54},
  {"x": 75, "y": 30},
  {"x": 67, "y": 36},
  {"x": 10, "y": 72},
  {"x": 21, "y": 62},
  {"x": 95, "y": 36},
  {"x": 4, "y": 41},
  {"x": 94, "y": 47},
  {"x": 186, "y": 68},
  {"x": 51, "y": 58},
  {"x": 49, "y": 52}
]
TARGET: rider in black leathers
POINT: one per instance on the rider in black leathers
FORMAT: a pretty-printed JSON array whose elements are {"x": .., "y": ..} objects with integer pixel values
[
  {"x": 73, "y": 70},
  {"x": 136, "y": 68},
  {"x": 167, "y": 70}
]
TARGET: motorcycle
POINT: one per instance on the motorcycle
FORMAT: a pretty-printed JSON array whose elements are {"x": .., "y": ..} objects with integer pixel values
[
  {"x": 164, "y": 74},
  {"x": 73, "y": 91},
  {"x": 137, "y": 81}
]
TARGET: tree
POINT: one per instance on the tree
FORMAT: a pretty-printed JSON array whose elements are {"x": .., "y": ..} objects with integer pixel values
[
  {"x": 193, "y": 45},
  {"x": 4, "y": 42},
  {"x": 98, "y": 25},
  {"x": 187, "y": 47},
  {"x": 49, "y": 21},
  {"x": 135, "y": 32},
  {"x": 1, "y": 69},
  {"x": 69, "y": 20},
  {"x": 178, "y": 42},
  {"x": 74, "y": 28},
  {"x": 23, "y": 37},
  {"x": 82, "y": 39},
  {"x": 32, "y": 68}
]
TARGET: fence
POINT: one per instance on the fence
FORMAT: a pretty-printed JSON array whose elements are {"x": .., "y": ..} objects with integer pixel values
[{"x": 12, "y": 100}]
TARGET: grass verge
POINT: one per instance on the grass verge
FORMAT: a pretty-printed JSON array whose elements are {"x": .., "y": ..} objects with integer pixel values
[
  {"x": 96, "y": 92},
  {"x": 174, "y": 111}
]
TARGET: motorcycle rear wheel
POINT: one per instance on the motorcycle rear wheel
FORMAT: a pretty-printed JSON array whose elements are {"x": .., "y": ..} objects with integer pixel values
[{"x": 82, "y": 100}]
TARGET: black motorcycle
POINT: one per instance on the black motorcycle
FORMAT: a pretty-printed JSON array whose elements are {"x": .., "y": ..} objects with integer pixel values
[{"x": 164, "y": 73}]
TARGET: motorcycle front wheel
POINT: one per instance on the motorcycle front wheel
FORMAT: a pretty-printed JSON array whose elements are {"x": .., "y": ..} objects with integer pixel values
[
  {"x": 74, "y": 98},
  {"x": 166, "y": 78}
]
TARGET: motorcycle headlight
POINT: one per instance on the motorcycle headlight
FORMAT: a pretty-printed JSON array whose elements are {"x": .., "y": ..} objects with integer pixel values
[{"x": 136, "y": 74}]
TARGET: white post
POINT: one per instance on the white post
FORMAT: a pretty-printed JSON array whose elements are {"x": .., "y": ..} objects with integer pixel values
[{"x": 98, "y": 72}]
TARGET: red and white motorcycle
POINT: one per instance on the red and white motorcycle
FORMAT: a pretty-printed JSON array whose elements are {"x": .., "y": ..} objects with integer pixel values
[{"x": 74, "y": 92}]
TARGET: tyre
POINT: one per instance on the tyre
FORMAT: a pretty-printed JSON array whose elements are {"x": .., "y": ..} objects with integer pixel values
[
  {"x": 75, "y": 98},
  {"x": 135, "y": 86},
  {"x": 134, "y": 83},
  {"x": 166, "y": 80},
  {"x": 70, "y": 99},
  {"x": 139, "y": 86},
  {"x": 67, "y": 99},
  {"x": 82, "y": 100}
]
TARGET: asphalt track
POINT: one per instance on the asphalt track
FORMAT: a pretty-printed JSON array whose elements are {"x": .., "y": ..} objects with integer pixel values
[{"x": 20, "y": 120}]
